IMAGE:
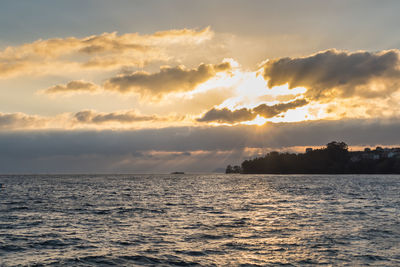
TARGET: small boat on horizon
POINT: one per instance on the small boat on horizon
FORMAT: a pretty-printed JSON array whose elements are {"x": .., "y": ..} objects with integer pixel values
[{"x": 177, "y": 173}]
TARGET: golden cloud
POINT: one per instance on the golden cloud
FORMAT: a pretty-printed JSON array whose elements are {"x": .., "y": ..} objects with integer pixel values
[
  {"x": 169, "y": 79},
  {"x": 227, "y": 116},
  {"x": 87, "y": 119},
  {"x": 338, "y": 74},
  {"x": 267, "y": 111},
  {"x": 21, "y": 121},
  {"x": 72, "y": 87},
  {"x": 108, "y": 50},
  {"x": 241, "y": 115},
  {"x": 124, "y": 119},
  {"x": 93, "y": 117}
]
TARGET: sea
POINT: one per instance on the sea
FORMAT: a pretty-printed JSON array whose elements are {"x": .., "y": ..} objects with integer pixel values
[{"x": 200, "y": 220}]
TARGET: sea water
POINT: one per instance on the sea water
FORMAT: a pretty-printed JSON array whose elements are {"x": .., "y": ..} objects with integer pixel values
[{"x": 199, "y": 220}]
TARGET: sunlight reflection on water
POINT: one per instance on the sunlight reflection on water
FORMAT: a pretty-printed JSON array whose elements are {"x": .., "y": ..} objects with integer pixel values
[{"x": 199, "y": 220}]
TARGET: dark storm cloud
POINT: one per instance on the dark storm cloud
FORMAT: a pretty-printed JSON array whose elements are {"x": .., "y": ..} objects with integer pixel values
[
  {"x": 169, "y": 79},
  {"x": 102, "y": 150},
  {"x": 234, "y": 116},
  {"x": 333, "y": 73}
]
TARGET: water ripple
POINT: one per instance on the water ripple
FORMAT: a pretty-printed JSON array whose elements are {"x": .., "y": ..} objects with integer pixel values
[{"x": 199, "y": 220}]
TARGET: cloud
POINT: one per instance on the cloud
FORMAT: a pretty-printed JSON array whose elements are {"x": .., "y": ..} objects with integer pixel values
[
  {"x": 92, "y": 117},
  {"x": 332, "y": 73},
  {"x": 87, "y": 119},
  {"x": 271, "y": 111},
  {"x": 209, "y": 147},
  {"x": 234, "y": 116},
  {"x": 169, "y": 79},
  {"x": 227, "y": 116},
  {"x": 183, "y": 139},
  {"x": 9, "y": 121},
  {"x": 72, "y": 87},
  {"x": 183, "y": 35},
  {"x": 104, "y": 51}
]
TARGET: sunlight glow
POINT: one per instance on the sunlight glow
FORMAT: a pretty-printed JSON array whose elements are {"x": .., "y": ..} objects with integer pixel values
[
  {"x": 257, "y": 121},
  {"x": 248, "y": 89},
  {"x": 251, "y": 90}
]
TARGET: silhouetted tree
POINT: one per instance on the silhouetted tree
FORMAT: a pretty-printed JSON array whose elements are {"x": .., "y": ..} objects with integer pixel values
[
  {"x": 229, "y": 169},
  {"x": 234, "y": 169},
  {"x": 339, "y": 146},
  {"x": 335, "y": 158}
]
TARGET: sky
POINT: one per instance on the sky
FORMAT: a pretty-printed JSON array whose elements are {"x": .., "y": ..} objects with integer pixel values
[{"x": 95, "y": 86}]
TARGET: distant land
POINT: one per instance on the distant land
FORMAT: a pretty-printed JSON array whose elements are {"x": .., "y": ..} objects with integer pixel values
[{"x": 333, "y": 159}]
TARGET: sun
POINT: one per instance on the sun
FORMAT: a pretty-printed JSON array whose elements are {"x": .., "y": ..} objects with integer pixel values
[
  {"x": 259, "y": 120},
  {"x": 248, "y": 89}
]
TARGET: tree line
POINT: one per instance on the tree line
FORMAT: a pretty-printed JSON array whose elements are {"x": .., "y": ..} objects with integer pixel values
[{"x": 333, "y": 159}]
